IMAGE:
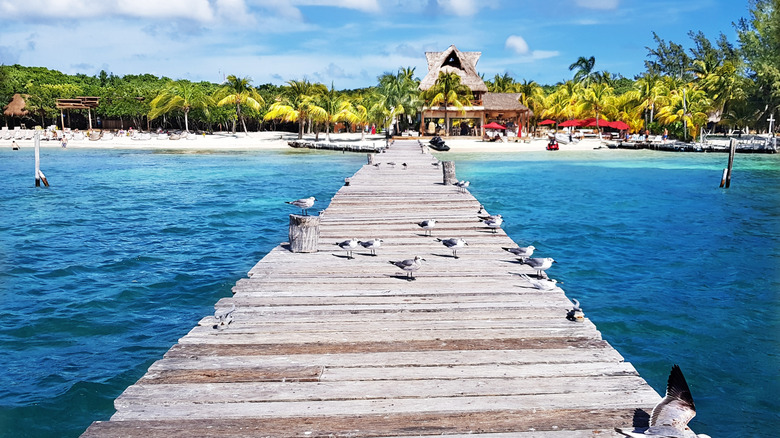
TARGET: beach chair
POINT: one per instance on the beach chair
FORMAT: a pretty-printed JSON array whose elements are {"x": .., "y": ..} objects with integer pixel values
[
  {"x": 78, "y": 136},
  {"x": 107, "y": 136}
]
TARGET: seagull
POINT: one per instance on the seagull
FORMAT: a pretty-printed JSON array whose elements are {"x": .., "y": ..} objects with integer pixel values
[
  {"x": 540, "y": 265},
  {"x": 435, "y": 164},
  {"x": 372, "y": 244},
  {"x": 404, "y": 165},
  {"x": 494, "y": 223},
  {"x": 224, "y": 316},
  {"x": 482, "y": 214},
  {"x": 462, "y": 185},
  {"x": 392, "y": 163},
  {"x": 410, "y": 265},
  {"x": 523, "y": 252},
  {"x": 453, "y": 244},
  {"x": 304, "y": 204},
  {"x": 576, "y": 313},
  {"x": 671, "y": 415},
  {"x": 348, "y": 246},
  {"x": 427, "y": 225},
  {"x": 541, "y": 284},
  {"x": 377, "y": 165}
]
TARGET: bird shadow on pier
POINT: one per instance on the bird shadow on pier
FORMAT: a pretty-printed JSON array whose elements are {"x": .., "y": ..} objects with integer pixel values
[{"x": 446, "y": 256}]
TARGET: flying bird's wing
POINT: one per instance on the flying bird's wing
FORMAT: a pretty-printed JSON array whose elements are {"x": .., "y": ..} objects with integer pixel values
[{"x": 677, "y": 408}]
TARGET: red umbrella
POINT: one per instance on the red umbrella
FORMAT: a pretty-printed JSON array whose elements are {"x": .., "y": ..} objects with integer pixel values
[
  {"x": 547, "y": 122},
  {"x": 494, "y": 125},
  {"x": 568, "y": 123},
  {"x": 593, "y": 122},
  {"x": 617, "y": 124}
]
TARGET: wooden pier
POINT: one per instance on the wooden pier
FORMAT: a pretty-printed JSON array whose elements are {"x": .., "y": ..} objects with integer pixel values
[{"x": 322, "y": 345}]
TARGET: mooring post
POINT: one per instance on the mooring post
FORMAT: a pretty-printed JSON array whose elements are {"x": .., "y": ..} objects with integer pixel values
[
  {"x": 304, "y": 233},
  {"x": 370, "y": 158},
  {"x": 448, "y": 169},
  {"x": 39, "y": 176},
  {"x": 725, "y": 180}
]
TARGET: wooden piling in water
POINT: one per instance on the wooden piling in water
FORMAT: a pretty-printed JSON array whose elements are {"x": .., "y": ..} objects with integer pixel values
[
  {"x": 325, "y": 345},
  {"x": 725, "y": 181},
  {"x": 39, "y": 176}
]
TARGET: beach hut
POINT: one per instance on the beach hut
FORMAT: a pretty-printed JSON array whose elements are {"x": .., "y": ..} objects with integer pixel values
[{"x": 16, "y": 108}]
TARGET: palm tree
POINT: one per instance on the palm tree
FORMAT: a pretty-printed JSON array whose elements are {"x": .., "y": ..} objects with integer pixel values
[
  {"x": 297, "y": 104},
  {"x": 336, "y": 108},
  {"x": 688, "y": 104},
  {"x": 584, "y": 68},
  {"x": 237, "y": 91},
  {"x": 501, "y": 84},
  {"x": 596, "y": 99},
  {"x": 649, "y": 87},
  {"x": 398, "y": 94},
  {"x": 182, "y": 96},
  {"x": 449, "y": 91}
]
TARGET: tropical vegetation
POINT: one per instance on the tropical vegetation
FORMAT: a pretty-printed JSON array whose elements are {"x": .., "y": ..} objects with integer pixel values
[{"x": 711, "y": 85}]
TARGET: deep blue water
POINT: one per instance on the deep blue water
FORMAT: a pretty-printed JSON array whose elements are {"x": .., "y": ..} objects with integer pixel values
[{"x": 106, "y": 269}]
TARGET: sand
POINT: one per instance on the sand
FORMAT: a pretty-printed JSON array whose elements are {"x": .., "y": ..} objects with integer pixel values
[{"x": 269, "y": 140}]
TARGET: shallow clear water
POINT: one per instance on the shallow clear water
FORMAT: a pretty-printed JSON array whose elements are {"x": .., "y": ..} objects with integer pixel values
[{"x": 102, "y": 272}]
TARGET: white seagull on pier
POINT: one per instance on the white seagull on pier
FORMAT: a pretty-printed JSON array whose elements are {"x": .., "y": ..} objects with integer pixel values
[
  {"x": 523, "y": 252},
  {"x": 671, "y": 415},
  {"x": 224, "y": 316},
  {"x": 427, "y": 225},
  {"x": 372, "y": 244},
  {"x": 494, "y": 222},
  {"x": 304, "y": 204},
  {"x": 540, "y": 265},
  {"x": 453, "y": 244},
  {"x": 462, "y": 185},
  {"x": 348, "y": 246},
  {"x": 409, "y": 265}
]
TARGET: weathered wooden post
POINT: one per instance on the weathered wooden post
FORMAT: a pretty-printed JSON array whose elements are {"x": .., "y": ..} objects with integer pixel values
[
  {"x": 725, "y": 180},
  {"x": 448, "y": 169},
  {"x": 304, "y": 233},
  {"x": 370, "y": 158},
  {"x": 38, "y": 174}
]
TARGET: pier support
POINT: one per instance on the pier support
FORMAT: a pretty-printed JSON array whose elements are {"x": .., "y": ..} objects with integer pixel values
[
  {"x": 370, "y": 158},
  {"x": 725, "y": 181},
  {"x": 39, "y": 176},
  {"x": 304, "y": 233},
  {"x": 448, "y": 169}
]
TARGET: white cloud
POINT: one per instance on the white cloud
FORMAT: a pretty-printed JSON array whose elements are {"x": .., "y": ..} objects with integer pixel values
[
  {"x": 462, "y": 8},
  {"x": 544, "y": 54},
  {"x": 198, "y": 10},
  {"x": 598, "y": 4},
  {"x": 517, "y": 44}
]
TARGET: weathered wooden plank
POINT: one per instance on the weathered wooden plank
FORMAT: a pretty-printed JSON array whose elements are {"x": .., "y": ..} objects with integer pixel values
[
  {"x": 462, "y": 344},
  {"x": 144, "y": 395},
  {"x": 598, "y": 422}
]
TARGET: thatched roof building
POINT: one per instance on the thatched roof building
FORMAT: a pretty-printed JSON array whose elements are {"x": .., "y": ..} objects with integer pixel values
[
  {"x": 503, "y": 108},
  {"x": 16, "y": 107},
  {"x": 464, "y": 64}
]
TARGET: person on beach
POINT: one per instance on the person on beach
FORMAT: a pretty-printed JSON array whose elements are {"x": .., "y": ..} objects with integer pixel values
[
  {"x": 64, "y": 141},
  {"x": 666, "y": 134},
  {"x": 647, "y": 135},
  {"x": 14, "y": 146}
]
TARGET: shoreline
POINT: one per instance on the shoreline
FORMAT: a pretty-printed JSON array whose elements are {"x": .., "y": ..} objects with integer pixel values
[{"x": 277, "y": 140}]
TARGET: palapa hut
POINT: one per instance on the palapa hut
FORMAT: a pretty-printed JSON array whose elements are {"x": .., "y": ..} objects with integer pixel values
[
  {"x": 503, "y": 108},
  {"x": 16, "y": 108}
]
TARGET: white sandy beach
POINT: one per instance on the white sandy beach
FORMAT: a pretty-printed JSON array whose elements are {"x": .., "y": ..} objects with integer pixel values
[{"x": 278, "y": 140}]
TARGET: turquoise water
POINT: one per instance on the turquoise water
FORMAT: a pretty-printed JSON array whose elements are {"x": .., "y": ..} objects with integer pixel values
[{"x": 102, "y": 272}]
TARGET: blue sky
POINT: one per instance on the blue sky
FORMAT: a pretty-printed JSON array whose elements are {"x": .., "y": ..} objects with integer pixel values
[{"x": 347, "y": 42}]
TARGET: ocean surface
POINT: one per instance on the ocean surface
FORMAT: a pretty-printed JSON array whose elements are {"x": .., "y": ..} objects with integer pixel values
[{"x": 101, "y": 273}]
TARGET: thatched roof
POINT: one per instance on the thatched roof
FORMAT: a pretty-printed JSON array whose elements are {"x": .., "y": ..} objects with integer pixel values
[
  {"x": 16, "y": 107},
  {"x": 503, "y": 102},
  {"x": 464, "y": 64}
]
